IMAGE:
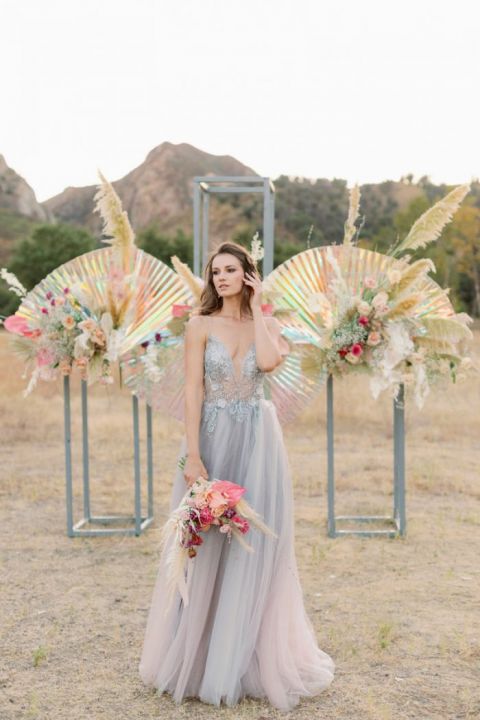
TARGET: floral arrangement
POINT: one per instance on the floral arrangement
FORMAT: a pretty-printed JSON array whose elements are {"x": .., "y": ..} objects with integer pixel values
[
  {"x": 380, "y": 330},
  {"x": 206, "y": 504},
  {"x": 67, "y": 332}
]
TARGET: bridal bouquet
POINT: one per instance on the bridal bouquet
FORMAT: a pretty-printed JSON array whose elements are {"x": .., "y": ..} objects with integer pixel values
[{"x": 207, "y": 504}]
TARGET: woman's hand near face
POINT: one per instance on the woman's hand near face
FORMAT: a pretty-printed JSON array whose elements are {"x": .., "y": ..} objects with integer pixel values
[{"x": 254, "y": 282}]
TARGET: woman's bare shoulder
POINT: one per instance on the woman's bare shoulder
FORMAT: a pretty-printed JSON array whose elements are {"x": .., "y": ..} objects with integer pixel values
[{"x": 196, "y": 325}]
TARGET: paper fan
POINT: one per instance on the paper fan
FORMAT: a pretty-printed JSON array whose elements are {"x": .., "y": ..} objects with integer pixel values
[
  {"x": 156, "y": 287},
  {"x": 310, "y": 272}
]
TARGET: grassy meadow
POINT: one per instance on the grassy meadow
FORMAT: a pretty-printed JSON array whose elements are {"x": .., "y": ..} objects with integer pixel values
[{"x": 400, "y": 617}]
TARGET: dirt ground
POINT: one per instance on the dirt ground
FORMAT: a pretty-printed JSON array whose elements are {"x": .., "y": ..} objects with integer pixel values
[{"x": 400, "y": 617}]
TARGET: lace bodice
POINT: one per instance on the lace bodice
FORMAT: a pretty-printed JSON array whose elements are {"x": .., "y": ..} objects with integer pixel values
[{"x": 239, "y": 394}]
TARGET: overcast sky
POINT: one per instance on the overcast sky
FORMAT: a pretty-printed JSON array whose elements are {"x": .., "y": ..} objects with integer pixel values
[{"x": 363, "y": 90}]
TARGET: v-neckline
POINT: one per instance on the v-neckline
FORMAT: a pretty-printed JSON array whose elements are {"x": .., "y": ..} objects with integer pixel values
[{"x": 242, "y": 363}]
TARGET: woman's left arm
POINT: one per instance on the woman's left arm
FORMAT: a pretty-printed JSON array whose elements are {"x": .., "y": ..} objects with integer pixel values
[{"x": 270, "y": 346}]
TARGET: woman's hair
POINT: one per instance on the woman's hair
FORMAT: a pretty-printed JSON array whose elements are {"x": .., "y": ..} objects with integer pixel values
[{"x": 210, "y": 301}]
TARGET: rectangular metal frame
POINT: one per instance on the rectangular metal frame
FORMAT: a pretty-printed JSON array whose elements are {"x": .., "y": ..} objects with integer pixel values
[
  {"x": 141, "y": 521},
  {"x": 204, "y": 186},
  {"x": 398, "y": 519}
]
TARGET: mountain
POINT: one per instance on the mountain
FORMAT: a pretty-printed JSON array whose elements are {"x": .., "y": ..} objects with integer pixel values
[
  {"x": 159, "y": 191},
  {"x": 16, "y": 195}
]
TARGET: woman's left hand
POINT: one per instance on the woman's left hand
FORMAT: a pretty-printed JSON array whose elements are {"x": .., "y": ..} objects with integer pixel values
[{"x": 255, "y": 282}]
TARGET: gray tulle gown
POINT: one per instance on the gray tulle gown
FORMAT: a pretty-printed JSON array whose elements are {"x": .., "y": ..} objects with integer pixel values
[{"x": 245, "y": 631}]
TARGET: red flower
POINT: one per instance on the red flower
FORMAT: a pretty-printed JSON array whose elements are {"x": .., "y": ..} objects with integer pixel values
[
  {"x": 362, "y": 320},
  {"x": 206, "y": 516},
  {"x": 342, "y": 352},
  {"x": 356, "y": 349},
  {"x": 241, "y": 523}
]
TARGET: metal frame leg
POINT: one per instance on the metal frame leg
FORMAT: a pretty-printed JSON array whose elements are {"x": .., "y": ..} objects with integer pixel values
[
  {"x": 399, "y": 515},
  {"x": 140, "y": 522}
]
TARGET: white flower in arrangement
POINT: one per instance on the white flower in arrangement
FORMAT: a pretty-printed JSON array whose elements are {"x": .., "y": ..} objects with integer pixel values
[
  {"x": 13, "y": 282},
  {"x": 257, "y": 251},
  {"x": 394, "y": 276},
  {"x": 380, "y": 300},
  {"x": 363, "y": 307},
  {"x": 320, "y": 304}
]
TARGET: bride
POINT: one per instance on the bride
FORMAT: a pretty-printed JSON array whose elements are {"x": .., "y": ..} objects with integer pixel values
[{"x": 245, "y": 631}]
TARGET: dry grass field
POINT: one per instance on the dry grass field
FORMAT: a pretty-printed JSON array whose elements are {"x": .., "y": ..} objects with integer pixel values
[{"x": 400, "y": 617}]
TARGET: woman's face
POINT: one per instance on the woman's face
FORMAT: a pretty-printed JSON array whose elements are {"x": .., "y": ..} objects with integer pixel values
[{"x": 228, "y": 275}]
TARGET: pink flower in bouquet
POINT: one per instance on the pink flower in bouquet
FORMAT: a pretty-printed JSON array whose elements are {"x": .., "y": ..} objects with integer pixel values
[
  {"x": 267, "y": 309},
  {"x": 45, "y": 357},
  {"x": 231, "y": 491},
  {"x": 373, "y": 338},
  {"x": 206, "y": 516},
  {"x": 98, "y": 337},
  {"x": 369, "y": 282},
  {"x": 242, "y": 524},
  {"x": 218, "y": 504},
  {"x": 362, "y": 320},
  {"x": 60, "y": 301},
  {"x": 180, "y": 310}
]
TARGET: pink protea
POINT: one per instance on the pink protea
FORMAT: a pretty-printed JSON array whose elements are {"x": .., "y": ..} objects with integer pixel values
[
  {"x": 180, "y": 310},
  {"x": 19, "y": 326},
  {"x": 231, "y": 491}
]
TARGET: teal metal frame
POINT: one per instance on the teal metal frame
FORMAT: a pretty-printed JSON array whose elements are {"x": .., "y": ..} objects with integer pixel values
[
  {"x": 398, "y": 518},
  {"x": 205, "y": 186},
  {"x": 141, "y": 522}
]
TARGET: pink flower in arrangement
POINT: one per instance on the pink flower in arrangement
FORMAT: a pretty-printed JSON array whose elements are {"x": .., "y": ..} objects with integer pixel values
[
  {"x": 356, "y": 350},
  {"x": 65, "y": 367},
  {"x": 19, "y": 326},
  {"x": 66, "y": 290},
  {"x": 373, "y": 338},
  {"x": 362, "y": 320},
  {"x": 267, "y": 309},
  {"x": 231, "y": 491},
  {"x": 68, "y": 322},
  {"x": 180, "y": 310},
  {"x": 45, "y": 357},
  {"x": 44, "y": 311},
  {"x": 49, "y": 295},
  {"x": 369, "y": 282}
]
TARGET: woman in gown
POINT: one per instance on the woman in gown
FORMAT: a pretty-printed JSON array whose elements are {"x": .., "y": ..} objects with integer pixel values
[{"x": 245, "y": 631}]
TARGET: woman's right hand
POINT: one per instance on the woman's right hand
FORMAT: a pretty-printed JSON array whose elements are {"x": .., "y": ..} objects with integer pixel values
[{"x": 193, "y": 468}]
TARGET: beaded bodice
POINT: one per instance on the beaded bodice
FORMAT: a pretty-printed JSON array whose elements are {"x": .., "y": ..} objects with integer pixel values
[{"x": 224, "y": 388}]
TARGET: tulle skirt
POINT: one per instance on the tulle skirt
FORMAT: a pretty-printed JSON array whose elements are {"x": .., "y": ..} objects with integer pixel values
[{"x": 245, "y": 631}]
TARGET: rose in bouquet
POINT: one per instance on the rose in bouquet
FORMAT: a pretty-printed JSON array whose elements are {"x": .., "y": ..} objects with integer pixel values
[{"x": 208, "y": 504}]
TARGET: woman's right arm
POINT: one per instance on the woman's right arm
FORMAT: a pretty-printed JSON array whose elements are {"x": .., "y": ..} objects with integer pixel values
[{"x": 194, "y": 392}]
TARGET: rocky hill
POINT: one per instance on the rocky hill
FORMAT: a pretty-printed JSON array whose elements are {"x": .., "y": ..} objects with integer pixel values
[
  {"x": 158, "y": 192},
  {"x": 16, "y": 195}
]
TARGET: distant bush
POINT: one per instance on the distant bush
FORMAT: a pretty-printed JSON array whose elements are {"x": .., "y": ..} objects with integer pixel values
[{"x": 36, "y": 256}]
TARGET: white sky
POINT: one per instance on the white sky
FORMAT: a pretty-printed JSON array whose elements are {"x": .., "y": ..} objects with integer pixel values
[{"x": 365, "y": 90}]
